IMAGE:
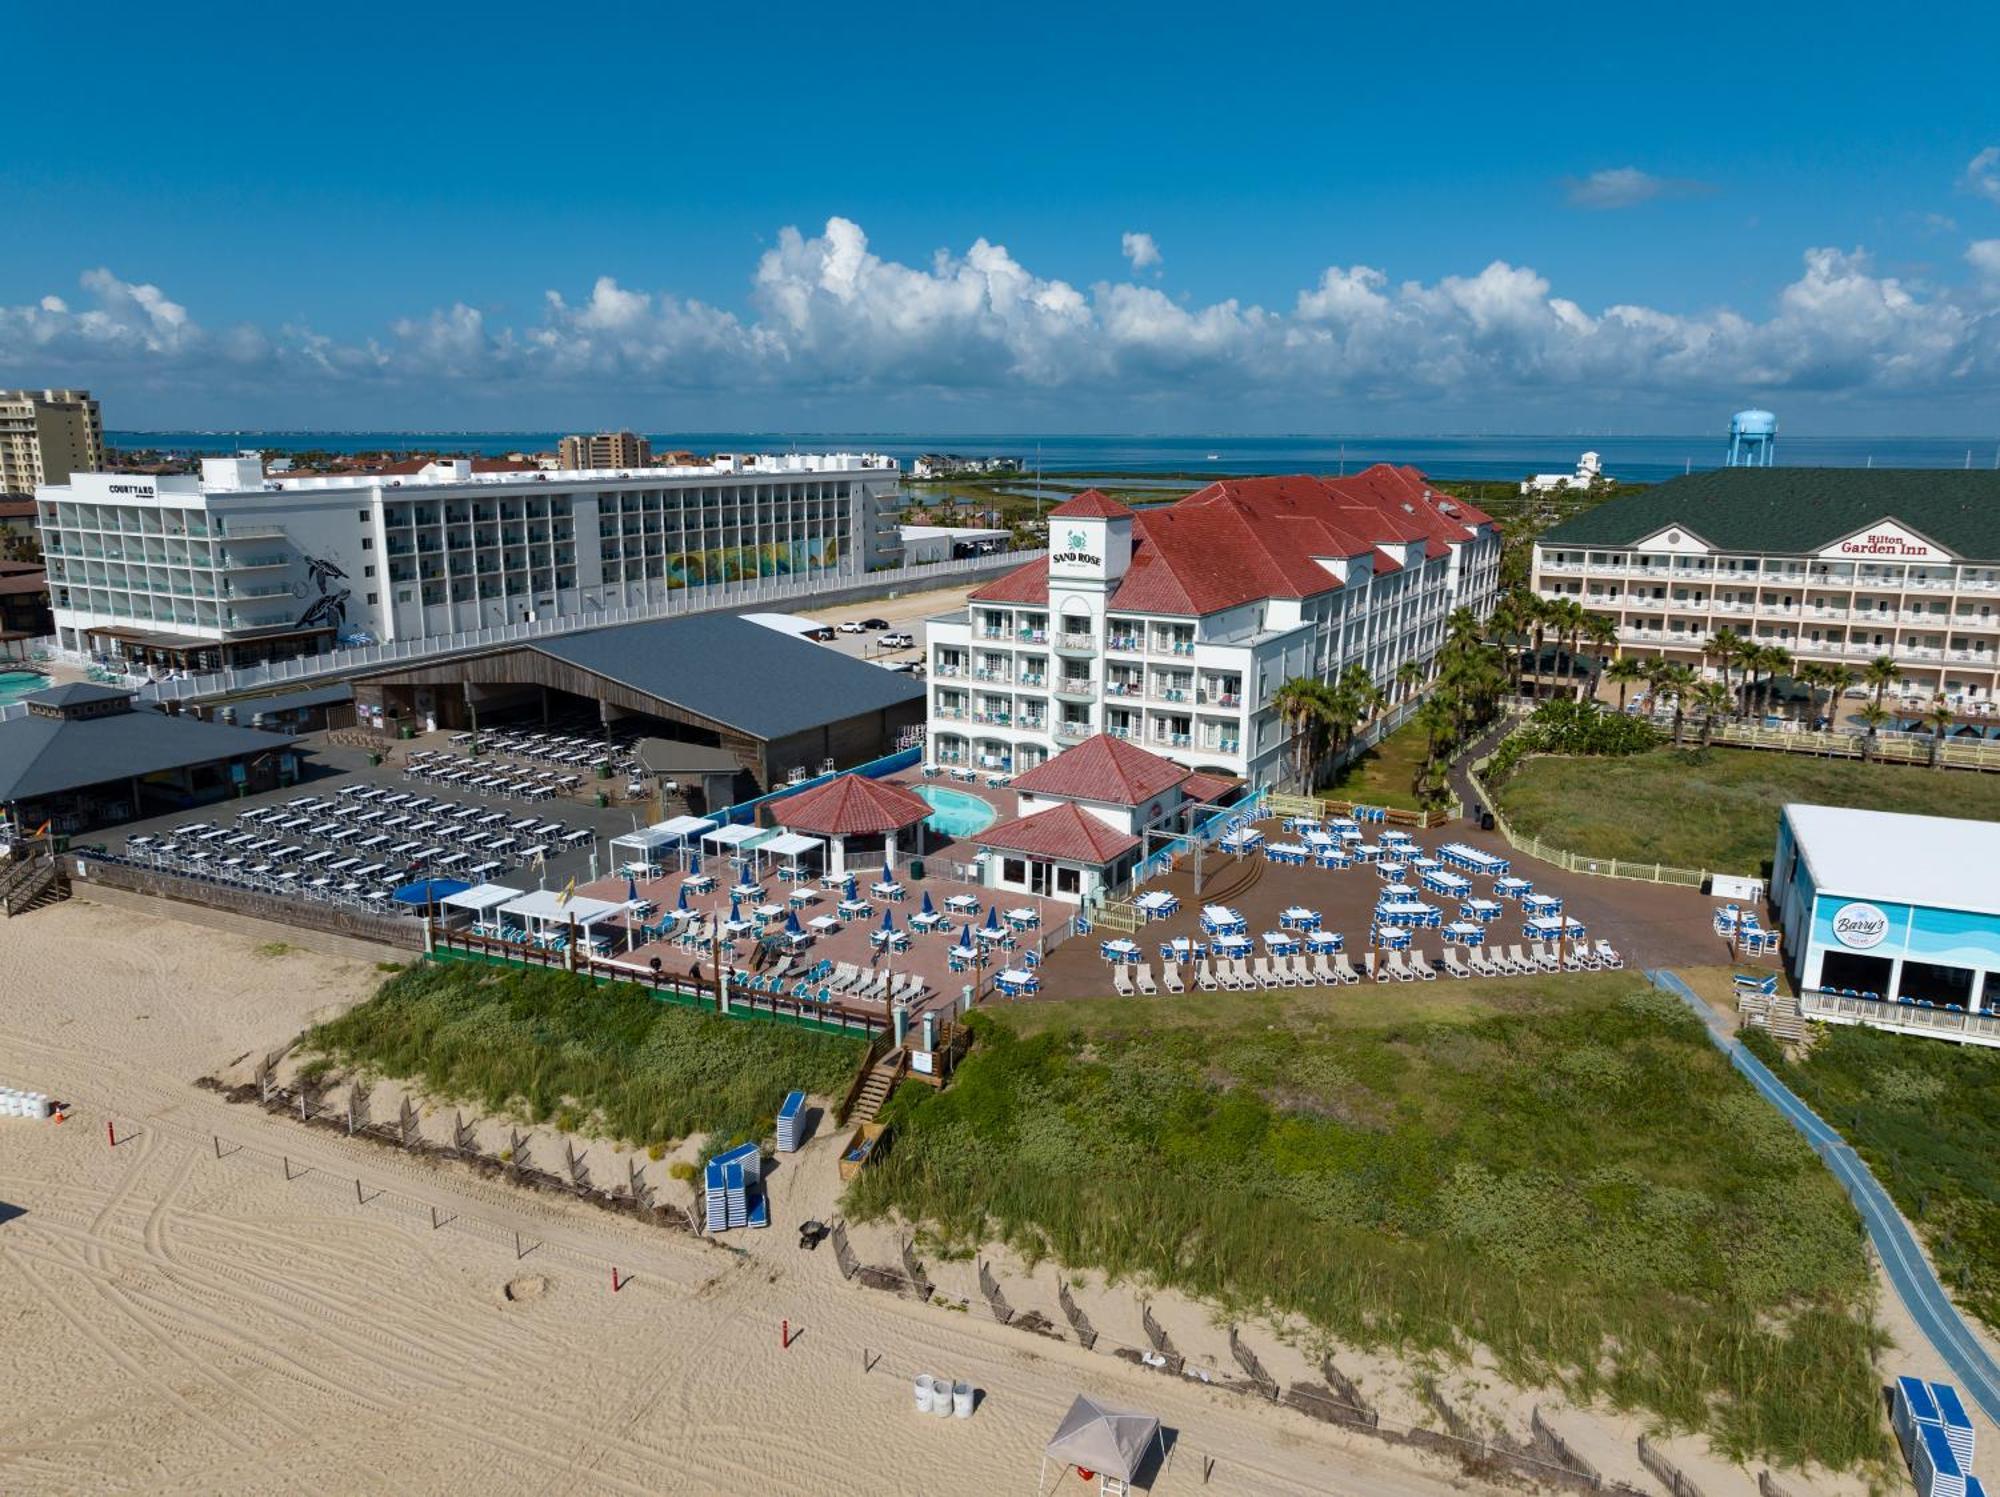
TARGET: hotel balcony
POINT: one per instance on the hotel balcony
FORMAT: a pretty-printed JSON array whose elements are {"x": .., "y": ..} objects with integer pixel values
[
  {"x": 1069, "y": 731},
  {"x": 255, "y": 563},
  {"x": 1130, "y": 643},
  {"x": 248, "y": 532},
  {"x": 1075, "y": 688},
  {"x": 1031, "y": 636},
  {"x": 1076, "y": 644}
]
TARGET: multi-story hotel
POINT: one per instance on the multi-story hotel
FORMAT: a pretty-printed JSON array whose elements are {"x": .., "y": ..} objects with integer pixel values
[
  {"x": 238, "y": 566},
  {"x": 1836, "y": 565},
  {"x": 46, "y": 435},
  {"x": 606, "y": 449},
  {"x": 1172, "y": 628}
]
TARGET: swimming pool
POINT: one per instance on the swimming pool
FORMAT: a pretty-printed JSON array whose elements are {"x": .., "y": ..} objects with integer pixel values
[
  {"x": 956, "y": 814},
  {"x": 16, "y": 684}
]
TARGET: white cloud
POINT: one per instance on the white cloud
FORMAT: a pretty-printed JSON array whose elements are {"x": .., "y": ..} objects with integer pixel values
[
  {"x": 1981, "y": 177},
  {"x": 1141, "y": 249},
  {"x": 827, "y": 316},
  {"x": 1625, "y": 186}
]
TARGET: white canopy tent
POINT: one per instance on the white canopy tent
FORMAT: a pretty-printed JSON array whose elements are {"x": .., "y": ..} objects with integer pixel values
[
  {"x": 481, "y": 899},
  {"x": 1110, "y": 1443},
  {"x": 682, "y": 827},
  {"x": 789, "y": 847},
  {"x": 546, "y": 907},
  {"x": 640, "y": 846},
  {"x": 735, "y": 838}
]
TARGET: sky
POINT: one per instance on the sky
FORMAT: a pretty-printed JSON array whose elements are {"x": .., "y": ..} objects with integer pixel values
[{"x": 1084, "y": 218}]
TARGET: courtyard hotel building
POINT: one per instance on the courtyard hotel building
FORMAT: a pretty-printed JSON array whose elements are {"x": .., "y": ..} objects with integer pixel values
[
  {"x": 1174, "y": 627},
  {"x": 238, "y": 566},
  {"x": 1836, "y": 565}
]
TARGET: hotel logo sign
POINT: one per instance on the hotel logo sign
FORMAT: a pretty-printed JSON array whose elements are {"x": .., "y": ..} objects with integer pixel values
[
  {"x": 1075, "y": 553},
  {"x": 1860, "y": 926},
  {"x": 1884, "y": 541}
]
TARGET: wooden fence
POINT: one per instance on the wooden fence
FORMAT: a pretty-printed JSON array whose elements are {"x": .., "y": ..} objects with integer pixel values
[
  {"x": 303, "y": 914},
  {"x": 1575, "y": 862}
]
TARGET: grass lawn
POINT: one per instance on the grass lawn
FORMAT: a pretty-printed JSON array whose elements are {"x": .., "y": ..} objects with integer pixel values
[
  {"x": 1566, "y": 1172},
  {"x": 1717, "y": 810},
  {"x": 1925, "y": 1114},
  {"x": 1383, "y": 775},
  {"x": 557, "y": 1048}
]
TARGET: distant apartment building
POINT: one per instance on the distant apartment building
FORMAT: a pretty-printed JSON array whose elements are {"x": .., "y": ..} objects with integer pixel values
[
  {"x": 604, "y": 450},
  {"x": 1174, "y": 627},
  {"x": 45, "y": 436},
  {"x": 1836, "y": 565},
  {"x": 238, "y": 566}
]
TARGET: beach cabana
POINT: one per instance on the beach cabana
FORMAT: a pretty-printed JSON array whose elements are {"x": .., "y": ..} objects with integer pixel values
[
  {"x": 853, "y": 813},
  {"x": 649, "y": 845},
  {"x": 1109, "y": 1444},
  {"x": 481, "y": 900},
  {"x": 735, "y": 839},
  {"x": 789, "y": 850},
  {"x": 545, "y": 912}
]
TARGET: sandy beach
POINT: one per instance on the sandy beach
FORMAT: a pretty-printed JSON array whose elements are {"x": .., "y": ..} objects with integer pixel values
[{"x": 177, "y": 1322}]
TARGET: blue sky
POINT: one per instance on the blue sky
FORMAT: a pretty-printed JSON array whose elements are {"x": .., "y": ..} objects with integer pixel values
[{"x": 1149, "y": 218}]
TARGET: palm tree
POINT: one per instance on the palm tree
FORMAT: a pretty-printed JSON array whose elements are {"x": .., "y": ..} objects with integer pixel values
[
  {"x": 1940, "y": 719},
  {"x": 1624, "y": 670},
  {"x": 1601, "y": 631},
  {"x": 1461, "y": 630},
  {"x": 1777, "y": 661},
  {"x": 1714, "y": 700},
  {"x": 1435, "y": 718},
  {"x": 1672, "y": 679},
  {"x": 1881, "y": 673},
  {"x": 1504, "y": 627},
  {"x": 1724, "y": 647},
  {"x": 1409, "y": 676},
  {"x": 1566, "y": 620},
  {"x": 1535, "y": 613},
  {"x": 1301, "y": 704},
  {"x": 1874, "y": 715}
]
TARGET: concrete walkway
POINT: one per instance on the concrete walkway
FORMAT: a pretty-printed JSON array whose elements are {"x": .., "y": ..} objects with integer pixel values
[{"x": 1916, "y": 1285}]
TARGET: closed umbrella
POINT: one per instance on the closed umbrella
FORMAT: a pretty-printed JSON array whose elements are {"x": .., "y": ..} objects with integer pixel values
[
  {"x": 993, "y": 917},
  {"x": 631, "y": 889},
  {"x": 681, "y": 903},
  {"x": 735, "y": 914},
  {"x": 850, "y": 887},
  {"x": 888, "y": 920},
  {"x": 694, "y": 866},
  {"x": 792, "y": 926},
  {"x": 927, "y": 909},
  {"x": 965, "y": 939}
]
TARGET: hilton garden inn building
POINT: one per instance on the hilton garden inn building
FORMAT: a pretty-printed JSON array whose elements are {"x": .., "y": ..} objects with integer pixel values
[
  {"x": 238, "y": 566},
  {"x": 1173, "y": 628},
  {"x": 1836, "y": 565}
]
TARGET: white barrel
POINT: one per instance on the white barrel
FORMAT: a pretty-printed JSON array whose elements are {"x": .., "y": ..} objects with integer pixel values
[
  {"x": 941, "y": 1397},
  {"x": 961, "y": 1400},
  {"x": 39, "y": 1105},
  {"x": 925, "y": 1384}
]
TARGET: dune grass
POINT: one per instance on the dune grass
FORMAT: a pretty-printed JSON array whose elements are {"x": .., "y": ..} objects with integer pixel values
[
  {"x": 1574, "y": 1178},
  {"x": 556, "y": 1048},
  {"x": 1716, "y": 809},
  {"x": 1925, "y": 1115}
]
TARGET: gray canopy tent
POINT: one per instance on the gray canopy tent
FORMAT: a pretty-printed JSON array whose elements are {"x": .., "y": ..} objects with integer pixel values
[{"x": 1109, "y": 1443}]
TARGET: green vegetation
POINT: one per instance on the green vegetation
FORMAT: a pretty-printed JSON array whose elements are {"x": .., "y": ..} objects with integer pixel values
[
  {"x": 1384, "y": 774},
  {"x": 1566, "y": 1172},
  {"x": 544, "y": 1043},
  {"x": 1925, "y": 1115},
  {"x": 1715, "y": 808}
]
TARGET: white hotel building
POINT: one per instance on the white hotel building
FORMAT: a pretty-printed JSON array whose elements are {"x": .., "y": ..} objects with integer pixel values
[
  {"x": 1836, "y": 565},
  {"x": 1173, "y": 628},
  {"x": 239, "y": 566}
]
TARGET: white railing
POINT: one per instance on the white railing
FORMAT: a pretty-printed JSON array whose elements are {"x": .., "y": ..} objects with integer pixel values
[
  {"x": 718, "y": 597},
  {"x": 1903, "y": 1018}
]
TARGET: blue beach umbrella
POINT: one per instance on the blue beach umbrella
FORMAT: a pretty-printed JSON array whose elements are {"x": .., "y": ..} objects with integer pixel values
[
  {"x": 735, "y": 914},
  {"x": 792, "y": 926},
  {"x": 965, "y": 938},
  {"x": 850, "y": 886},
  {"x": 927, "y": 909},
  {"x": 694, "y": 866},
  {"x": 681, "y": 903},
  {"x": 888, "y": 874},
  {"x": 631, "y": 889},
  {"x": 993, "y": 917},
  {"x": 888, "y": 920}
]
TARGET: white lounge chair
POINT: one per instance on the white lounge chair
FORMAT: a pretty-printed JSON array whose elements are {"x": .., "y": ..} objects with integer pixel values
[
  {"x": 1344, "y": 969},
  {"x": 1420, "y": 965},
  {"x": 1261, "y": 969},
  {"x": 1170, "y": 979},
  {"x": 1607, "y": 956},
  {"x": 1146, "y": 984},
  {"x": 1322, "y": 973},
  {"x": 1288, "y": 972},
  {"x": 1121, "y": 980},
  {"x": 1204, "y": 976},
  {"x": 1399, "y": 967},
  {"x": 1545, "y": 957},
  {"x": 1577, "y": 959},
  {"x": 1238, "y": 978},
  {"x": 1480, "y": 960},
  {"x": 1518, "y": 961},
  {"x": 1452, "y": 965}
]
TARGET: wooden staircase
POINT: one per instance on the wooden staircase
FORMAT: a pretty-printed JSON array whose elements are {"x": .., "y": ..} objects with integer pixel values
[
  {"x": 876, "y": 1083},
  {"x": 1778, "y": 1013},
  {"x": 30, "y": 884}
]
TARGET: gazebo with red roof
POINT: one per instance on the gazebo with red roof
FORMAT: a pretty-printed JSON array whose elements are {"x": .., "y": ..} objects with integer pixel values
[{"x": 850, "y": 808}]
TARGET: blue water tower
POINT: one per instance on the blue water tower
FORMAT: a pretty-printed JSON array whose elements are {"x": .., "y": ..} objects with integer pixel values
[{"x": 1753, "y": 439}]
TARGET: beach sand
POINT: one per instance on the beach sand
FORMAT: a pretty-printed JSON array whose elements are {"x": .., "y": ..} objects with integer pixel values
[{"x": 177, "y": 1322}]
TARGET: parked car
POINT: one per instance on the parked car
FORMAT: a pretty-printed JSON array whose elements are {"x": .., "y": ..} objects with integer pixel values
[
  {"x": 852, "y": 626},
  {"x": 897, "y": 641},
  {"x": 878, "y": 625}
]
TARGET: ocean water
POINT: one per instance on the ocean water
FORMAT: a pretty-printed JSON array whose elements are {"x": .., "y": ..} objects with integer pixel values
[{"x": 1636, "y": 458}]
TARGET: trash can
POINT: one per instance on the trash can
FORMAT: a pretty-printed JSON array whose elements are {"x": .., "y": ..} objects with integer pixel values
[
  {"x": 603, "y": 800},
  {"x": 915, "y": 869},
  {"x": 1486, "y": 821}
]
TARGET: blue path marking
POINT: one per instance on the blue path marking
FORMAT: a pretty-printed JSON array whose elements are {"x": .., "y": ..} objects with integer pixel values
[{"x": 1936, "y": 1316}]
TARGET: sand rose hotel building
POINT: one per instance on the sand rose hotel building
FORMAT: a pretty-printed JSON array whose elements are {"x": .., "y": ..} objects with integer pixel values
[
  {"x": 238, "y": 566},
  {"x": 1836, "y": 565},
  {"x": 1172, "y": 628}
]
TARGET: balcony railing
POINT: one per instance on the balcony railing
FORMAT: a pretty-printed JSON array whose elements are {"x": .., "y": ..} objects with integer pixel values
[
  {"x": 1033, "y": 636},
  {"x": 1129, "y": 642},
  {"x": 1074, "y": 686},
  {"x": 1085, "y": 643},
  {"x": 1072, "y": 732}
]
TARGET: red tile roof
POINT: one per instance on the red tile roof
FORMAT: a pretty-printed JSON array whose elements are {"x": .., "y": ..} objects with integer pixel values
[
  {"x": 1207, "y": 787},
  {"x": 1091, "y": 505},
  {"x": 16, "y": 509},
  {"x": 1103, "y": 768},
  {"x": 850, "y": 805},
  {"x": 1060, "y": 832},
  {"x": 1239, "y": 541}
]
